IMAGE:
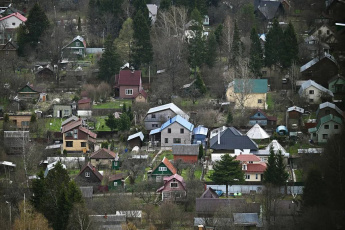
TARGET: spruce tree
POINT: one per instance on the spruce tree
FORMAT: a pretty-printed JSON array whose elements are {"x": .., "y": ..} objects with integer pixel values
[
  {"x": 37, "y": 23},
  {"x": 211, "y": 52},
  {"x": 200, "y": 85},
  {"x": 282, "y": 175},
  {"x": 255, "y": 54},
  {"x": 290, "y": 47},
  {"x": 109, "y": 63},
  {"x": 274, "y": 45},
  {"x": 142, "y": 47},
  {"x": 227, "y": 171},
  {"x": 201, "y": 152},
  {"x": 314, "y": 182},
  {"x": 270, "y": 173}
]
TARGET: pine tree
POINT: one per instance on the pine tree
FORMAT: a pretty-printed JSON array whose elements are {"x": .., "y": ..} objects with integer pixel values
[
  {"x": 219, "y": 34},
  {"x": 37, "y": 23},
  {"x": 109, "y": 63},
  {"x": 142, "y": 47},
  {"x": 211, "y": 52},
  {"x": 227, "y": 171},
  {"x": 256, "y": 54},
  {"x": 111, "y": 122},
  {"x": 274, "y": 45},
  {"x": 290, "y": 47},
  {"x": 314, "y": 182},
  {"x": 125, "y": 122}
]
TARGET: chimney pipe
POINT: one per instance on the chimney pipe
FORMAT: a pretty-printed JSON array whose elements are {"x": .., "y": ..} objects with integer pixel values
[{"x": 218, "y": 138}]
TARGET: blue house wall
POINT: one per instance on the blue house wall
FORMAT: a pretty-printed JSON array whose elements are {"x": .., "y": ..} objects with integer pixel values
[{"x": 258, "y": 118}]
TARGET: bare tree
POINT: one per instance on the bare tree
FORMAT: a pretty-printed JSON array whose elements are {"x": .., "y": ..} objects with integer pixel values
[{"x": 228, "y": 38}]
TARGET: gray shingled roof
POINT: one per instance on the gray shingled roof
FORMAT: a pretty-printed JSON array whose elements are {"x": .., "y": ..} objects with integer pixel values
[
  {"x": 269, "y": 8},
  {"x": 191, "y": 149}
]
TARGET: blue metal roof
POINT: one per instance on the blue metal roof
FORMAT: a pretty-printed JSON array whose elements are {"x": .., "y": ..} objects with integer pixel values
[
  {"x": 201, "y": 130},
  {"x": 179, "y": 120},
  {"x": 154, "y": 131}
]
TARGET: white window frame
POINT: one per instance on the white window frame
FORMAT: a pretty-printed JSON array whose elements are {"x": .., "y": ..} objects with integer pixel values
[
  {"x": 129, "y": 91},
  {"x": 115, "y": 183},
  {"x": 162, "y": 169},
  {"x": 87, "y": 174},
  {"x": 247, "y": 176}
]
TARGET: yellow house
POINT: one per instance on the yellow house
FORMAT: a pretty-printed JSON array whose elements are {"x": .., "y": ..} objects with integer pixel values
[
  {"x": 76, "y": 138},
  {"x": 252, "y": 167},
  {"x": 248, "y": 93}
]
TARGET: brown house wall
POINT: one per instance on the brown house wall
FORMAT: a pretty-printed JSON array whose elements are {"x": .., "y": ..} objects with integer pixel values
[
  {"x": 134, "y": 142},
  {"x": 294, "y": 115},
  {"x": 122, "y": 91},
  {"x": 186, "y": 159},
  {"x": 19, "y": 119},
  {"x": 321, "y": 72}
]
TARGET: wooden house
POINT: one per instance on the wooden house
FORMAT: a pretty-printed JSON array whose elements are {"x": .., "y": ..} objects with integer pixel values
[
  {"x": 116, "y": 181},
  {"x": 164, "y": 168},
  {"x": 76, "y": 48},
  {"x": 89, "y": 176},
  {"x": 174, "y": 188},
  {"x": 128, "y": 83},
  {"x": 103, "y": 158},
  {"x": 261, "y": 118},
  {"x": 135, "y": 139},
  {"x": 186, "y": 153}
]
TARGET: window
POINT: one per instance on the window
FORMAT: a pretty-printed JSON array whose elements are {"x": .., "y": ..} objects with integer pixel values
[
  {"x": 326, "y": 126},
  {"x": 259, "y": 101},
  {"x": 158, "y": 178},
  {"x": 259, "y": 115},
  {"x": 247, "y": 176},
  {"x": 153, "y": 115},
  {"x": 97, "y": 159},
  {"x": 77, "y": 43},
  {"x": 75, "y": 136},
  {"x": 129, "y": 91},
  {"x": 169, "y": 130},
  {"x": 83, "y": 144},
  {"x": 311, "y": 100},
  {"x": 336, "y": 127},
  {"x": 25, "y": 124},
  {"x": 115, "y": 163},
  {"x": 166, "y": 140},
  {"x": 181, "y": 130},
  {"x": 328, "y": 32},
  {"x": 69, "y": 143},
  {"x": 256, "y": 176},
  {"x": 325, "y": 136},
  {"x": 87, "y": 174},
  {"x": 115, "y": 183},
  {"x": 7, "y": 52},
  {"x": 13, "y": 23},
  {"x": 244, "y": 167},
  {"x": 177, "y": 140},
  {"x": 75, "y": 131},
  {"x": 66, "y": 112},
  {"x": 173, "y": 185},
  {"x": 250, "y": 162},
  {"x": 311, "y": 91},
  {"x": 314, "y": 134},
  {"x": 154, "y": 125},
  {"x": 162, "y": 169}
]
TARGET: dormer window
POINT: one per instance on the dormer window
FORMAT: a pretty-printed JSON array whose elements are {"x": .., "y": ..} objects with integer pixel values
[
  {"x": 244, "y": 167},
  {"x": 87, "y": 174}
]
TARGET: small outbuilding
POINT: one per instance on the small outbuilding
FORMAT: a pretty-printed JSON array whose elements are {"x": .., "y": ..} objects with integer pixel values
[{"x": 135, "y": 139}]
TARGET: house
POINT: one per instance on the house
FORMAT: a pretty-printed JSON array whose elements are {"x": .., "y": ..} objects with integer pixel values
[
  {"x": 313, "y": 47},
  {"x": 9, "y": 24},
  {"x": 84, "y": 104},
  {"x": 206, "y": 21},
  {"x": 261, "y": 118},
  {"x": 52, "y": 166},
  {"x": 176, "y": 130},
  {"x": 69, "y": 120},
  {"x": 60, "y": 111},
  {"x": 327, "y": 108},
  {"x": 174, "y": 188},
  {"x": 248, "y": 92},
  {"x": 295, "y": 112},
  {"x": 210, "y": 193},
  {"x": 103, "y": 158},
  {"x": 199, "y": 135},
  {"x": 45, "y": 74},
  {"x": 156, "y": 116},
  {"x": 186, "y": 153},
  {"x": 141, "y": 96},
  {"x": 257, "y": 133},
  {"x": 268, "y": 10},
  {"x": 21, "y": 120},
  {"x": 8, "y": 52},
  {"x": 76, "y": 48},
  {"x": 337, "y": 84},
  {"x": 28, "y": 93},
  {"x": 165, "y": 168},
  {"x": 89, "y": 176},
  {"x": 128, "y": 83},
  {"x": 252, "y": 166},
  {"x": 314, "y": 93},
  {"x": 76, "y": 138},
  {"x": 230, "y": 140},
  {"x": 116, "y": 181},
  {"x": 320, "y": 69},
  {"x": 322, "y": 32},
  {"x": 277, "y": 148},
  {"x": 153, "y": 8},
  {"x": 326, "y": 127},
  {"x": 135, "y": 139}
]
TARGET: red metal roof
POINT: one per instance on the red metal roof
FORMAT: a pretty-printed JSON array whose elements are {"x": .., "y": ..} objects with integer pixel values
[
  {"x": 247, "y": 158},
  {"x": 17, "y": 15},
  {"x": 85, "y": 130},
  {"x": 103, "y": 154},
  {"x": 260, "y": 168},
  {"x": 116, "y": 177},
  {"x": 170, "y": 178},
  {"x": 71, "y": 125},
  {"x": 128, "y": 77},
  {"x": 142, "y": 92},
  {"x": 169, "y": 165}
]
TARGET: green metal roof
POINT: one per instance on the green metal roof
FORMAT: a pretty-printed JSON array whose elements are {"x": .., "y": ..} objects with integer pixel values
[
  {"x": 250, "y": 86},
  {"x": 325, "y": 119}
]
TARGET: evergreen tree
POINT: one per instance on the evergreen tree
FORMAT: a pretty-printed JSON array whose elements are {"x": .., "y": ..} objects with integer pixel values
[
  {"x": 314, "y": 182},
  {"x": 22, "y": 39},
  {"x": 109, "y": 63},
  {"x": 282, "y": 175},
  {"x": 219, "y": 34},
  {"x": 270, "y": 173},
  {"x": 142, "y": 47},
  {"x": 125, "y": 122},
  {"x": 124, "y": 41},
  {"x": 200, "y": 85},
  {"x": 201, "y": 152},
  {"x": 227, "y": 171},
  {"x": 290, "y": 47},
  {"x": 229, "y": 118},
  {"x": 33, "y": 117},
  {"x": 196, "y": 44},
  {"x": 6, "y": 118},
  {"x": 274, "y": 45},
  {"x": 211, "y": 52},
  {"x": 124, "y": 108},
  {"x": 256, "y": 55},
  {"x": 130, "y": 113},
  {"x": 36, "y": 24},
  {"x": 236, "y": 47},
  {"x": 111, "y": 122}
]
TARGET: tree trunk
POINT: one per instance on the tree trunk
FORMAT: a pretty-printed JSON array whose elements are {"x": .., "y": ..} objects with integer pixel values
[{"x": 227, "y": 190}]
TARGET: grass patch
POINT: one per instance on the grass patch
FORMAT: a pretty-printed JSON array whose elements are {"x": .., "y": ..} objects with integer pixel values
[
  {"x": 197, "y": 173},
  {"x": 207, "y": 176},
  {"x": 53, "y": 124},
  {"x": 270, "y": 104},
  {"x": 113, "y": 104},
  {"x": 168, "y": 154},
  {"x": 100, "y": 124},
  {"x": 294, "y": 148},
  {"x": 299, "y": 175}
]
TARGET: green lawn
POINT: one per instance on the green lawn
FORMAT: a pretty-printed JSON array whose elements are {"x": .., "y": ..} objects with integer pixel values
[
  {"x": 197, "y": 173},
  {"x": 270, "y": 104},
  {"x": 113, "y": 104},
  {"x": 168, "y": 154},
  {"x": 299, "y": 175},
  {"x": 294, "y": 148},
  {"x": 207, "y": 176},
  {"x": 53, "y": 124}
]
